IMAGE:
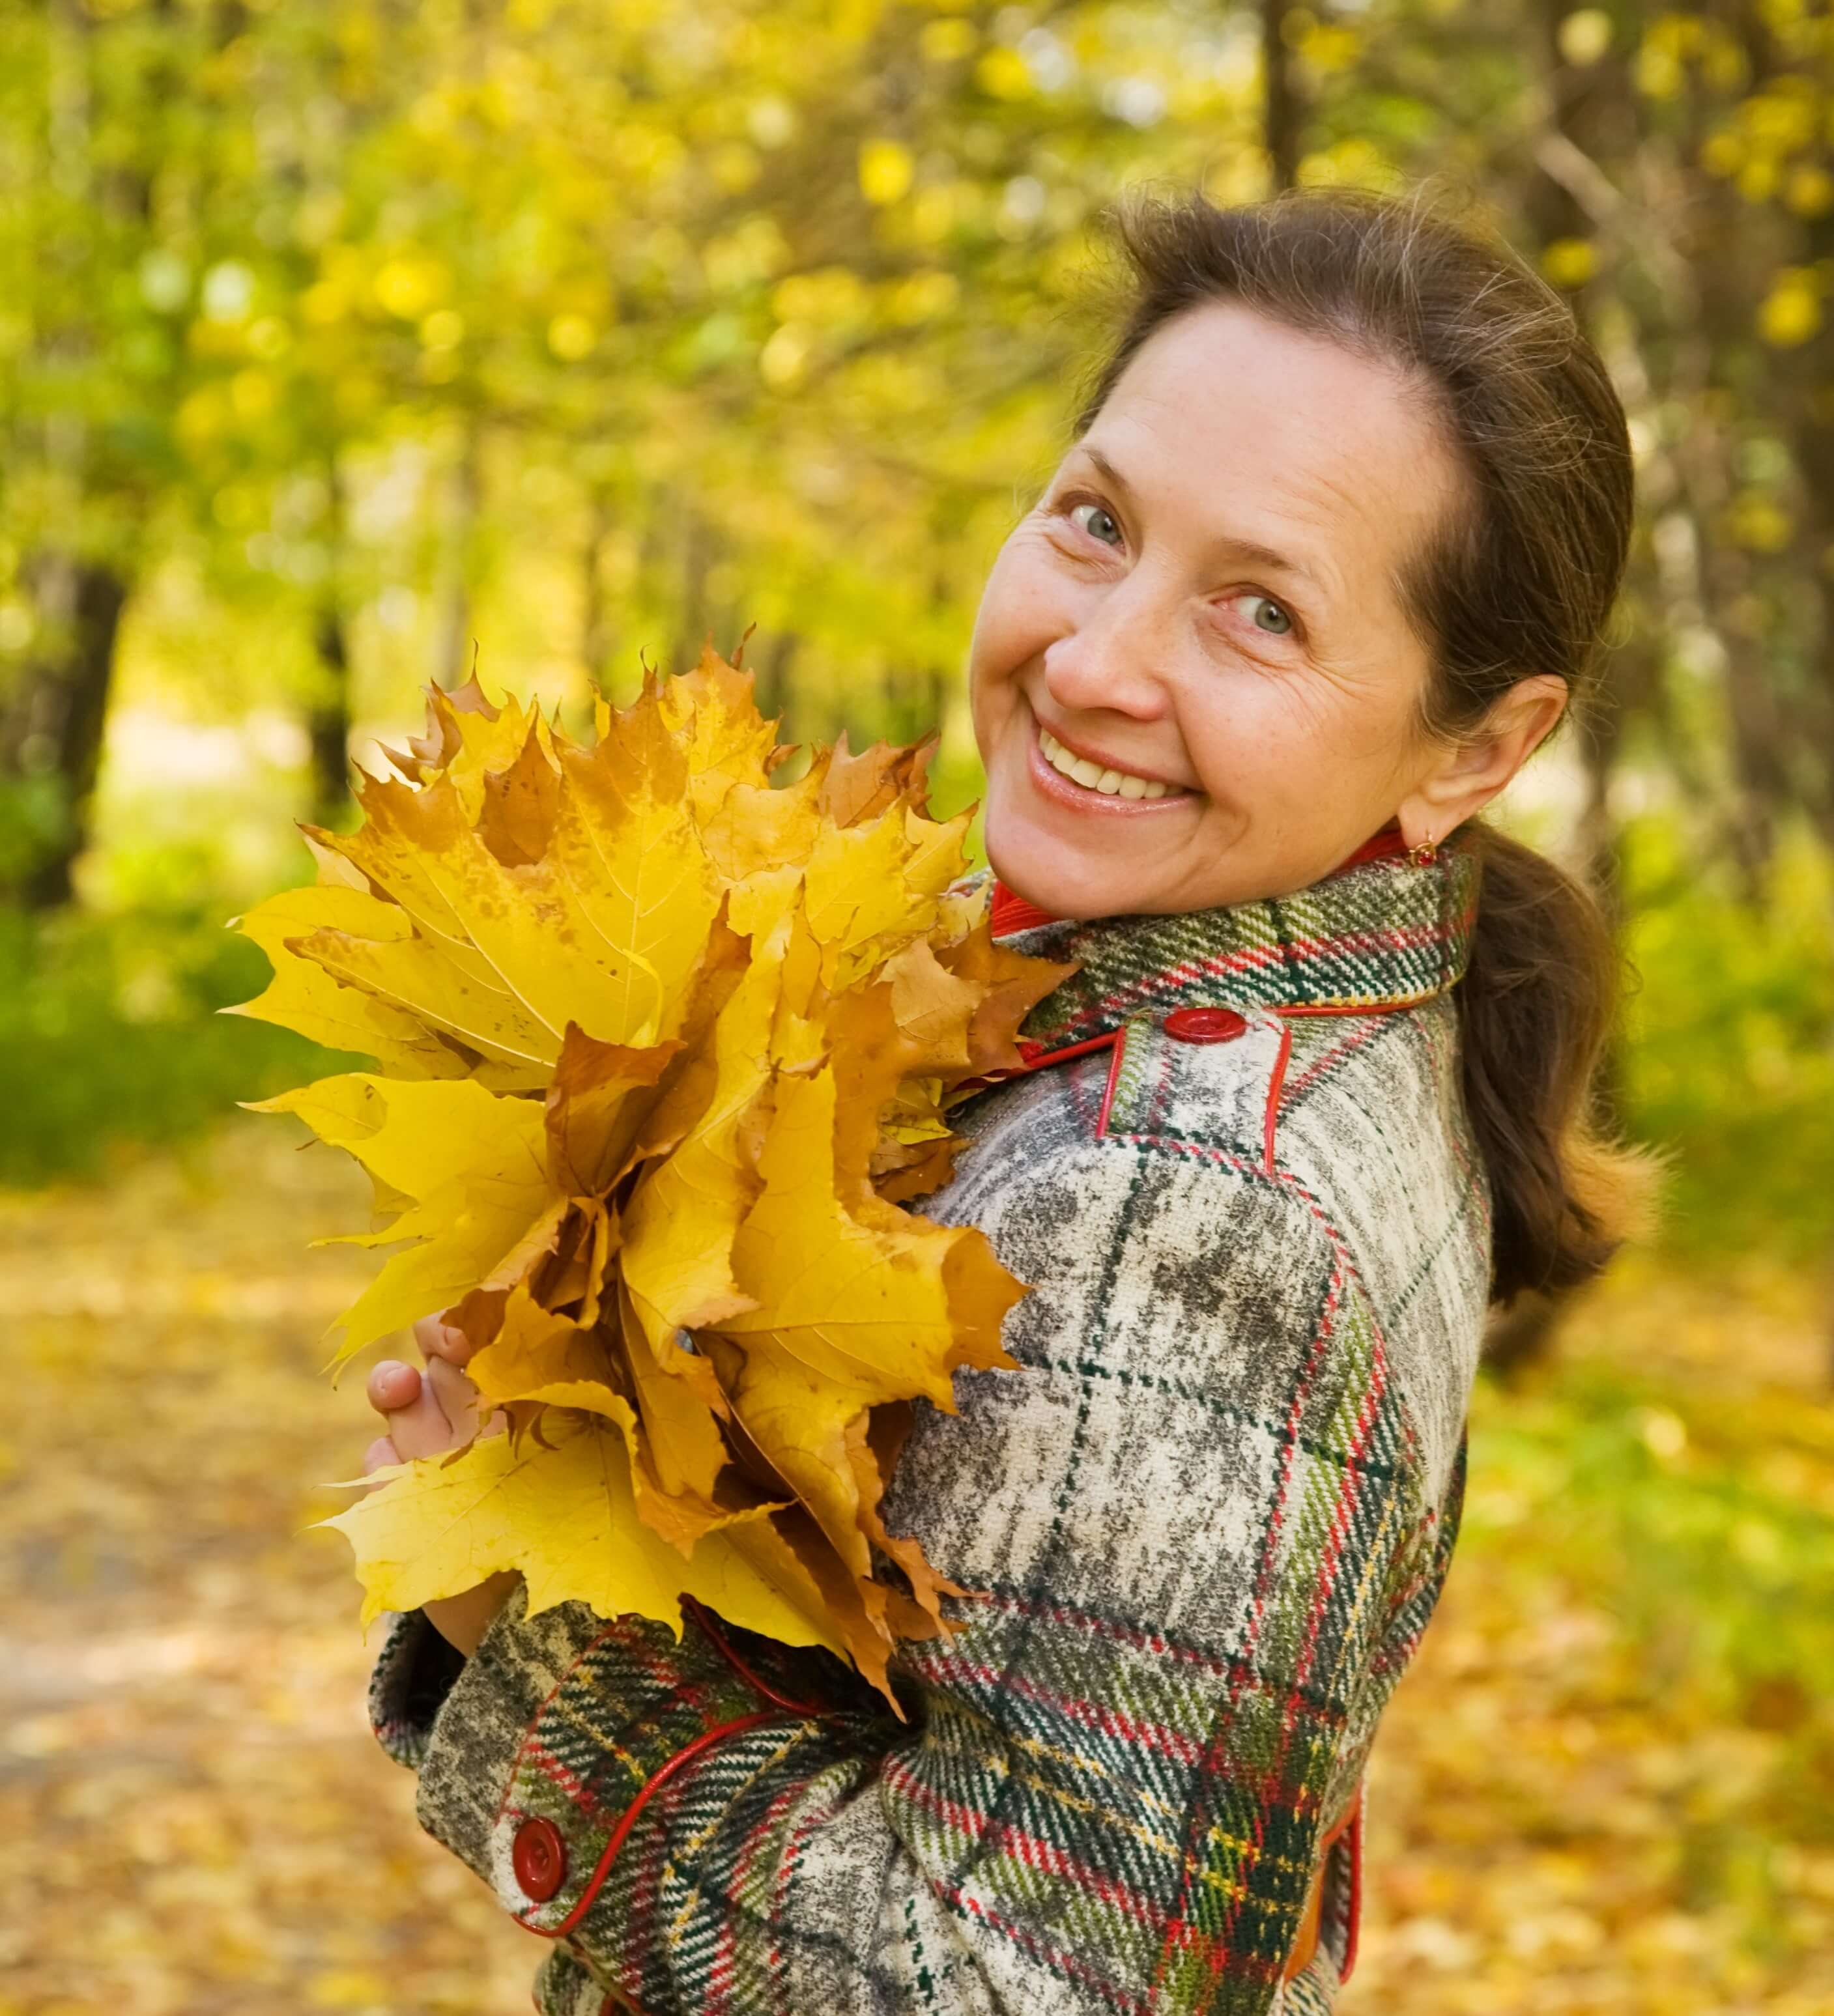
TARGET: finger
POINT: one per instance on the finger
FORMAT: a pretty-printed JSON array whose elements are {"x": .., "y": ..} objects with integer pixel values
[
  {"x": 456, "y": 1395},
  {"x": 381, "y": 1452},
  {"x": 392, "y": 1385},
  {"x": 422, "y": 1429},
  {"x": 437, "y": 1339}
]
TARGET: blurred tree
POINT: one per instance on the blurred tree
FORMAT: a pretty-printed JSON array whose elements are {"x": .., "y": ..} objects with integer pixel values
[
  {"x": 89, "y": 375},
  {"x": 1282, "y": 118}
]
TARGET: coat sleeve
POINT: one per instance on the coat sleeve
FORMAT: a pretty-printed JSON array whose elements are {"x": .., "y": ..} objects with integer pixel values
[{"x": 1196, "y": 1522}]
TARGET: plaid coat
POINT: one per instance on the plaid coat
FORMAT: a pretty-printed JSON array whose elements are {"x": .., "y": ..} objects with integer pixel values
[{"x": 1211, "y": 1517}]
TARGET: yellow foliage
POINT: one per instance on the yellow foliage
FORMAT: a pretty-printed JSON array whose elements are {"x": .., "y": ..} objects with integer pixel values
[
  {"x": 1570, "y": 262},
  {"x": 410, "y": 286},
  {"x": 1810, "y": 192},
  {"x": 886, "y": 171},
  {"x": 571, "y": 337},
  {"x": 667, "y": 1047},
  {"x": 1792, "y": 311},
  {"x": 1757, "y": 521},
  {"x": 1722, "y": 153},
  {"x": 1002, "y": 73},
  {"x": 946, "y": 41},
  {"x": 1585, "y": 36},
  {"x": 1758, "y": 178},
  {"x": 1330, "y": 48}
]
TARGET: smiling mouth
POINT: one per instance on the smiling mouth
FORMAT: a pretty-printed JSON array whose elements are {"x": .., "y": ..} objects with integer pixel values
[{"x": 1109, "y": 783}]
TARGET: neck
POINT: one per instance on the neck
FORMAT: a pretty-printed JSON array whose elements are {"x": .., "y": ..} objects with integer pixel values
[{"x": 1011, "y": 913}]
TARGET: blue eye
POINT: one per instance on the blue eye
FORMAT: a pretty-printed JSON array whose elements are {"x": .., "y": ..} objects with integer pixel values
[
  {"x": 1097, "y": 513},
  {"x": 1281, "y": 626}
]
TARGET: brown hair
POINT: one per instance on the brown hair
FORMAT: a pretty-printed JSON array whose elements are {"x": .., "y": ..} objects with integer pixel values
[{"x": 1520, "y": 578}]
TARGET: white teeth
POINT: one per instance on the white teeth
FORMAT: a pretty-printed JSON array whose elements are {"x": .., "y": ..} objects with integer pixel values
[{"x": 1110, "y": 784}]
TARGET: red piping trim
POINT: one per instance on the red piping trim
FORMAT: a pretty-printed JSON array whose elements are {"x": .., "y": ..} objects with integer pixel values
[
  {"x": 1033, "y": 1057},
  {"x": 1354, "y": 1912},
  {"x": 704, "y": 1619},
  {"x": 1271, "y": 1118},
  {"x": 1036, "y": 1057},
  {"x": 654, "y": 1783},
  {"x": 1118, "y": 1050},
  {"x": 1352, "y": 1007}
]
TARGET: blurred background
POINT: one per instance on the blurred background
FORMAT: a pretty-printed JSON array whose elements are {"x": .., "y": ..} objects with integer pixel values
[{"x": 346, "y": 344}]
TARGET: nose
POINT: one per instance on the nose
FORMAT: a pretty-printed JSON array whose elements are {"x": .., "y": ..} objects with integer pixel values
[{"x": 1119, "y": 655}]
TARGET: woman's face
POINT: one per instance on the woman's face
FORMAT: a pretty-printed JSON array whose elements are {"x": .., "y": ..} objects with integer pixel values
[{"x": 1201, "y": 617}]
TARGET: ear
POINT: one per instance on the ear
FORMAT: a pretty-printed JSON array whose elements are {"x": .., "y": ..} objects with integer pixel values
[{"x": 1460, "y": 781}]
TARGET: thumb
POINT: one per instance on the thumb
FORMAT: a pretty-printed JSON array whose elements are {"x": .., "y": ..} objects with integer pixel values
[{"x": 457, "y": 1396}]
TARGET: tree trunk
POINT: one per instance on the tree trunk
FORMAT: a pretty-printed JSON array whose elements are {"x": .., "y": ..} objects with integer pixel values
[
  {"x": 1591, "y": 111},
  {"x": 456, "y": 647},
  {"x": 704, "y": 620},
  {"x": 329, "y": 722},
  {"x": 58, "y": 718},
  {"x": 595, "y": 619},
  {"x": 686, "y": 649},
  {"x": 1282, "y": 121},
  {"x": 775, "y": 689}
]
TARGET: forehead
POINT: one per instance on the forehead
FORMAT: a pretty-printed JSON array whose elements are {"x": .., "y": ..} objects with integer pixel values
[{"x": 1250, "y": 430}]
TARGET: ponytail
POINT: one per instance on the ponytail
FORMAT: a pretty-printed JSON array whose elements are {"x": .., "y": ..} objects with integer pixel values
[{"x": 1538, "y": 1004}]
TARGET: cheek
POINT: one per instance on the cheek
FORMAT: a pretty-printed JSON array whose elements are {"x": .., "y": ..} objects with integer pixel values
[
  {"x": 1279, "y": 736},
  {"x": 1021, "y": 613}
]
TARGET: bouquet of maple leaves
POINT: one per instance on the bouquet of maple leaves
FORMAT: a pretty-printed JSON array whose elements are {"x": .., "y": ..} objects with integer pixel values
[{"x": 663, "y": 1046}]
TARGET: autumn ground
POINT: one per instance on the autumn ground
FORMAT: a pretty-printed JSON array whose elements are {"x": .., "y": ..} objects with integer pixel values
[{"x": 1585, "y": 1799}]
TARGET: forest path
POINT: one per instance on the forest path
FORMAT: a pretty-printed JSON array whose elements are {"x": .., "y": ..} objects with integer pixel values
[{"x": 195, "y": 1819}]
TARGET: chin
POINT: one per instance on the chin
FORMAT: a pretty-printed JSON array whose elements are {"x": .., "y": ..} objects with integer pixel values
[{"x": 1064, "y": 888}]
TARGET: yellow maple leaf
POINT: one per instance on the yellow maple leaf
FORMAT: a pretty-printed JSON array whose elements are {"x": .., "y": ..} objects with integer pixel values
[
  {"x": 472, "y": 1162},
  {"x": 564, "y": 1513},
  {"x": 667, "y": 1046}
]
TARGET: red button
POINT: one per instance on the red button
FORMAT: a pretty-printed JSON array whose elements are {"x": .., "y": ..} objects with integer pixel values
[
  {"x": 1205, "y": 1025},
  {"x": 539, "y": 1859}
]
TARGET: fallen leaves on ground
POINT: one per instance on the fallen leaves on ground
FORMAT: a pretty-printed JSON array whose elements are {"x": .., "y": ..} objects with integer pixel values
[
  {"x": 195, "y": 1819},
  {"x": 668, "y": 1046},
  {"x": 1606, "y": 1788}
]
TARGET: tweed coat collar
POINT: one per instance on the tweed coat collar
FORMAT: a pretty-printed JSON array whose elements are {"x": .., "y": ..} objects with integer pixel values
[{"x": 1379, "y": 933}]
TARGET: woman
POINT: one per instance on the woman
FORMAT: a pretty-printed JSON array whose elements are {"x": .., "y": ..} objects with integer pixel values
[{"x": 1331, "y": 552}]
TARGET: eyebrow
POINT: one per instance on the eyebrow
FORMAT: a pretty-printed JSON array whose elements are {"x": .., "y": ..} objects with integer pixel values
[{"x": 1250, "y": 549}]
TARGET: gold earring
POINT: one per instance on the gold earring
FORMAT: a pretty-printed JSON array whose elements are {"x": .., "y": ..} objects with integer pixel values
[{"x": 1425, "y": 855}]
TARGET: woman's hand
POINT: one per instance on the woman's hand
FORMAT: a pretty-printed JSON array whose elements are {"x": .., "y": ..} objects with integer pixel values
[{"x": 427, "y": 1413}]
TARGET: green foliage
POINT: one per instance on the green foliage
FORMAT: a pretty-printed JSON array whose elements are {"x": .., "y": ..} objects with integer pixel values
[
  {"x": 1731, "y": 1051},
  {"x": 1697, "y": 1528},
  {"x": 109, "y": 1040},
  {"x": 34, "y": 813}
]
